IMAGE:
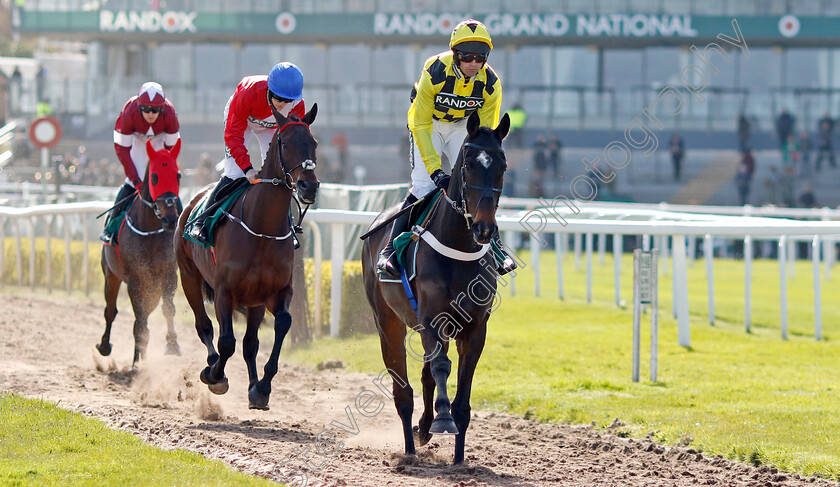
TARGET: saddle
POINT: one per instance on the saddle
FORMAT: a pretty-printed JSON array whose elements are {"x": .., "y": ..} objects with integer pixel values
[
  {"x": 223, "y": 203},
  {"x": 113, "y": 226},
  {"x": 405, "y": 244}
]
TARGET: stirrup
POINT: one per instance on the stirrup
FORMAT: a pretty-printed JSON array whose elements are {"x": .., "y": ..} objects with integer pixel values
[
  {"x": 198, "y": 232},
  {"x": 387, "y": 263},
  {"x": 106, "y": 237},
  {"x": 508, "y": 265}
]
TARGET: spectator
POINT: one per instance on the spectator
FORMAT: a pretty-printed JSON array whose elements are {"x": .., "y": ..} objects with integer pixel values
[
  {"x": 537, "y": 189},
  {"x": 15, "y": 87},
  {"x": 805, "y": 147},
  {"x": 338, "y": 169},
  {"x": 825, "y": 134},
  {"x": 41, "y": 84},
  {"x": 784, "y": 127},
  {"x": 554, "y": 155},
  {"x": 518, "y": 117},
  {"x": 748, "y": 160},
  {"x": 786, "y": 182},
  {"x": 807, "y": 198},
  {"x": 772, "y": 183},
  {"x": 790, "y": 153},
  {"x": 677, "y": 148},
  {"x": 743, "y": 132},
  {"x": 742, "y": 182}
]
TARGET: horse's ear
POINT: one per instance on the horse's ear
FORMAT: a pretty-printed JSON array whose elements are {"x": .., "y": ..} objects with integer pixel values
[
  {"x": 310, "y": 115},
  {"x": 149, "y": 149},
  {"x": 473, "y": 123},
  {"x": 176, "y": 149},
  {"x": 281, "y": 120},
  {"x": 503, "y": 128}
]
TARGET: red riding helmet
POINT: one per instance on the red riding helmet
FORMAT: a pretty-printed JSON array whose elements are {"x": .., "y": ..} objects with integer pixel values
[{"x": 151, "y": 95}]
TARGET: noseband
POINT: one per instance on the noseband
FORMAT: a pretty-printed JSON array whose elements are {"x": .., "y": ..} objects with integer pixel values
[
  {"x": 461, "y": 205},
  {"x": 169, "y": 201}
]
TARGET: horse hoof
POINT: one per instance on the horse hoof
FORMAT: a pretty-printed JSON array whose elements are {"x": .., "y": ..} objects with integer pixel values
[
  {"x": 219, "y": 387},
  {"x": 172, "y": 349},
  {"x": 409, "y": 459},
  {"x": 420, "y": 438},
  {"x": 104, "y": 349},
  {"x": 257, "y": 400},
  {"x": 443, "y": 426}
]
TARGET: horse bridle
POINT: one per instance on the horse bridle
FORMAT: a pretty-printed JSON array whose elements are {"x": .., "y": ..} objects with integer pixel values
[
  {"x": 169, "y": 202},
  {"x": 288, "y": 180},
  {"x": 461, "y": 206}
]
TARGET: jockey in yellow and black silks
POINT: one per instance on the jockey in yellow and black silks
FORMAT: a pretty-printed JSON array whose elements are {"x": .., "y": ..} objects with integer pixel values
[{"x": 452, "y": 85}]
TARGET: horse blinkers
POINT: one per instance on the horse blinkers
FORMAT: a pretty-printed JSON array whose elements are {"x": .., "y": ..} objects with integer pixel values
[{"x": 481, "y": 217}]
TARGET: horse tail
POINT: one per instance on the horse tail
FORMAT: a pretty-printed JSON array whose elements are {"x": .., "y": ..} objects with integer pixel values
[
  {"x": 210, "y": 296},
  {"x": 209, "y": 293}
]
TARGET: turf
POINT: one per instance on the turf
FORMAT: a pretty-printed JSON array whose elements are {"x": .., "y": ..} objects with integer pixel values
[{"x": 748, "y": 396}]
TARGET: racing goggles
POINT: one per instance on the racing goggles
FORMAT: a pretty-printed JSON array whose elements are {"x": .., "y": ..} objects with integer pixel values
[
  {"x": 470, "y": 57},
  {"x": 146, "y": 109}
]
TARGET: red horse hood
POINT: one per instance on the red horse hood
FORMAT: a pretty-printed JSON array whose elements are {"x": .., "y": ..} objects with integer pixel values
[{"x": 163, "y": 170}]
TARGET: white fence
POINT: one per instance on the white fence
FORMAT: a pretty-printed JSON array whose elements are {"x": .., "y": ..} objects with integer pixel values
[{"x": 656, "y": 225}]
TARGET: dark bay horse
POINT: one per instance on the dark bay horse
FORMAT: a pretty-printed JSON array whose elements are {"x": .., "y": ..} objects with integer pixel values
[
  {"x": 144, "y": 258},
  {"x": 251, "y": 264},
  {"x": 454, "y": 293}
]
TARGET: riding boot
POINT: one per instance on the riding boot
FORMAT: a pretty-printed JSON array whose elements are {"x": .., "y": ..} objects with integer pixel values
[
  {"x": 387, "y": 263},
  {"x": 119, "y": 206},
  {"x": 508, "y": 264},
  {"x": 199, "y": 230}
]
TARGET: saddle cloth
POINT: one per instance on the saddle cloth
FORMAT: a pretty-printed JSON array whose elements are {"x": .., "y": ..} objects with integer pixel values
[
  {"x": 212, "y": 219},
  {"x": 113, "y": 226}
]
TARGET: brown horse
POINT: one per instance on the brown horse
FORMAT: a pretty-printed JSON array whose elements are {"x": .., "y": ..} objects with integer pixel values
[
  {"x": 454, "y": 292},
  {"x": 144, "y": 258},
  {"x": 251, "y": 264}
]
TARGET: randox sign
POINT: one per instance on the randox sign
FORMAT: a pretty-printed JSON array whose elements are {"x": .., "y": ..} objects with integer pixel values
[{"x": 171, "y": 22}]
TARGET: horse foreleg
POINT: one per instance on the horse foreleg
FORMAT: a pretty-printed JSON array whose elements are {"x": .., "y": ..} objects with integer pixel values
[
  {"x": 112, "y": 289},
  {"x": 142, "y": 303},
  {"x": 251, "y": 343},
  {"x": 440, "y": 366},
  {"x": 214, "y": 375},
  {"x": 168, "y": 306},
  {"x": 258, "y": 395},
  {"x": 469, "y": 351},
  {"x": 392, "y": 342}
]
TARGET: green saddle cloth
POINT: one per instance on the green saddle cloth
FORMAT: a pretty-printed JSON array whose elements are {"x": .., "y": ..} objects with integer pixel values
[
  {"x": 113, "y": 226},
  {"x": 213, "y": 219},
  {"x": 403, "y": 240}
]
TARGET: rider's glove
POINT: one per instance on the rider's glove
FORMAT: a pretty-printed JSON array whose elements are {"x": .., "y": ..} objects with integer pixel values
[
  {"x": 441, "y": 179},
  {"x": 252, "y": 175},
  {"x": 138, "y": 185}
]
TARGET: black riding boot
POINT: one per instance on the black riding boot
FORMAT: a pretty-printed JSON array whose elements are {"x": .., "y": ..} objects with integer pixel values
[
  {"x": 199, "y": 230},
  {"x": 387, "y": 263},
  {"x": 119, "y": 206},
  {"x": 508, "y": 264}
]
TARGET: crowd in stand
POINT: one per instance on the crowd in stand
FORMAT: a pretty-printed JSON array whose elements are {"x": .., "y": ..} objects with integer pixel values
[{"x": 803, "y": 157}]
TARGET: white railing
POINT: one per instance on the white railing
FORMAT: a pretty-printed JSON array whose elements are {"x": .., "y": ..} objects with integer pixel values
[{"x": 650, "y": 224}]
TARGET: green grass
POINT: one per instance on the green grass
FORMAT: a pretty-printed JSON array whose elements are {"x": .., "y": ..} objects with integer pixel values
[
  {"x": 751, "y": 397},
  {"x": 44, "y": 445}
]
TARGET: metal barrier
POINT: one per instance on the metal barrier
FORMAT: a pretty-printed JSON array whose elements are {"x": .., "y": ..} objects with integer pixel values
[{"x": 654, "y": 225}]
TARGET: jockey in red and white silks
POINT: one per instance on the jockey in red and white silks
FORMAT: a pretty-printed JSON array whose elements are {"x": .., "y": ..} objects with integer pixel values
[
  {"x": 148, "y": 116},
  {"x": 248, "y": 112}
]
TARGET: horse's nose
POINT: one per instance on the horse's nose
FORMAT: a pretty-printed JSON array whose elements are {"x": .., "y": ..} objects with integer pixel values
[
  {"x": 483, "y": 231},
  {"x": 307, "y": 190},
  {"x": 169, "y": 224}
]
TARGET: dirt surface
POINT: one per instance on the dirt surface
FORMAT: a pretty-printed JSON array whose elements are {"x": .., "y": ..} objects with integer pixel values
[{"x": 315, "y": 424}]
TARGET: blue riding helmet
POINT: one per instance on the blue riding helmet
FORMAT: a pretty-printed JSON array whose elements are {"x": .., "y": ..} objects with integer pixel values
[{"x": 286, "y": 81}]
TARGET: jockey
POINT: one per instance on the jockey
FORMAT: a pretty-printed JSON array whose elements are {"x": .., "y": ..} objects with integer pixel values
[
  {"x": 147, "y": 116},
  {"x": 248, "y": 111},
  {"x": 458, "y": 77}
]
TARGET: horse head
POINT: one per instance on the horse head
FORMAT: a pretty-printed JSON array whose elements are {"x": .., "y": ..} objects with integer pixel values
[
  {"x": 292, "y": 154},
  {"x": 478, "y": 176},
  {"x": 163, "y": 183}
]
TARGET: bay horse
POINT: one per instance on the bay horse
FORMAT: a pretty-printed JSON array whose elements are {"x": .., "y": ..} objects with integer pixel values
[
  {"x": 144, "y": 256},
  {"x": 449, "y": 302},
  {"x": 251, "y": 263}
]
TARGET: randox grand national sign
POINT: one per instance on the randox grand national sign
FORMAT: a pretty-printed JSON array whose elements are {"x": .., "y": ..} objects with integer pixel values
[{"x": 539, "y": 28}]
